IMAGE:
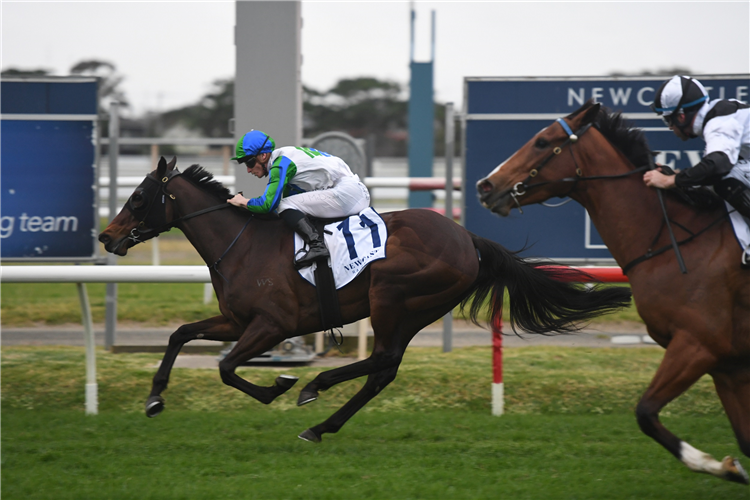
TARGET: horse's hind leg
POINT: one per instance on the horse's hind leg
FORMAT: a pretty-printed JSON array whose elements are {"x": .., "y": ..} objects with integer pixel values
[
  {"x": 260, "y": 336},
  {"x": 734, "y": 391},
  {"x": 216, "y": 328},
  {"x": 683, "y": 364},
  {"x": 376, "y": 382},
  {"x": 328, "y": 379}
]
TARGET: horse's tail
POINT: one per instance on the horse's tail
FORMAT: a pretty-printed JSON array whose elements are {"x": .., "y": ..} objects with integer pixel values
[{"x": 544, "y": 298}]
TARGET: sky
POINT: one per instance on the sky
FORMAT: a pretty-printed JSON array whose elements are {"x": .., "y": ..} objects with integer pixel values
[{"x": 170, "y": 52}]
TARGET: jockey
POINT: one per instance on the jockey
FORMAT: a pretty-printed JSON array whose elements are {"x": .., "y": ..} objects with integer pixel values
[
  {"x": 301, "y": 182},
  {"x": 724, "y": 124}
]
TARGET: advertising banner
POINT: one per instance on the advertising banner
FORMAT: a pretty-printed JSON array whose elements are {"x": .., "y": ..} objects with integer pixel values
[{"x": 48, "y": 203}]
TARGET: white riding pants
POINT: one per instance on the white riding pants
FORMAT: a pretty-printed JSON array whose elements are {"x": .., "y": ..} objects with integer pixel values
[
  {"x": 347, "y": 197},
  {"x": 741, "y": 172}
]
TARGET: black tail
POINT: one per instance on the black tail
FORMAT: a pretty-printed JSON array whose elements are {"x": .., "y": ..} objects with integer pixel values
[{"x": 543, "y": 299}]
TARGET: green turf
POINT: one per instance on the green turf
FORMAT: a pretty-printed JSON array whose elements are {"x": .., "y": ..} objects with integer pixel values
[
  {"x": 539, "y": 380},
  {"x": 437, "y": 454},
  {"x": 569, "y": 431},
  {"x": 152, "y": 304}
]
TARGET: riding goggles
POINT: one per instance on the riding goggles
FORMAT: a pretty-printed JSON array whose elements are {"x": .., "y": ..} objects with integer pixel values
[{"x": 250, "y": 161}]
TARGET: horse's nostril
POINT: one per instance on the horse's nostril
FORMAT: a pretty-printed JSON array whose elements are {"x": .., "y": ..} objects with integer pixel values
[
  {"x": 104, "y": 238},
  {"x": 484, "y": 186}
]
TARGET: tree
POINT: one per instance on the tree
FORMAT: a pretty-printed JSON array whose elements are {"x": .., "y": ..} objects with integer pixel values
[
  {"x": 109, "y": 83},
  {"x": 362, "y": 107},
  {"x": 24, "y": 72},
  {"x": 210, "y": 116}
]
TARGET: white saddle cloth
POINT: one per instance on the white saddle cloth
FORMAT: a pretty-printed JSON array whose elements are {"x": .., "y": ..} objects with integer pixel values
[
  {"x": 353, "y": 244},
  {"x": 740, "y": 225}
]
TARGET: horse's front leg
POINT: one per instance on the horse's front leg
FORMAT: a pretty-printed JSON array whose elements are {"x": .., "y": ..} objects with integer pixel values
[
  {"x": 684, "y": 363},
  {"x": 217, "y": 328},
  {"x": 261, "y": 335}
]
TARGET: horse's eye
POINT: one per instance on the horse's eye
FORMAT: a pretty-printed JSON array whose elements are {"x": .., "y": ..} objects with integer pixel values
[
  {"x": 541, "y": 143},
  {"x": 136, "y": 199}
]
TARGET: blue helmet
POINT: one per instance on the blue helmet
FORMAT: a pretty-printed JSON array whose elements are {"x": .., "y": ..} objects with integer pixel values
[{"x": 252, "y": 144}]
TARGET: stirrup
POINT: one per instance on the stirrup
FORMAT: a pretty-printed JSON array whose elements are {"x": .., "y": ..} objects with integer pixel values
[
  {"x": 745, "y": 261},
  {"x": 306, "y": 261}
]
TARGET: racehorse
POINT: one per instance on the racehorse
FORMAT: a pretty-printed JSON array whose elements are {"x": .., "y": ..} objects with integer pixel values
[
  {"x": 701, "y": 318},
  {"x": 432, "y": 265}
]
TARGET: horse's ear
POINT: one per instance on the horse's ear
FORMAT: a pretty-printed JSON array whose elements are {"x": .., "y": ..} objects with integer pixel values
[
  {"x": 161, "y": 169},
  {"x": 590, "y": 114},
  {"x": 580, "y": 110},
  {"x": 585, "y": 114},
  {"x": 172, "y": 163}
]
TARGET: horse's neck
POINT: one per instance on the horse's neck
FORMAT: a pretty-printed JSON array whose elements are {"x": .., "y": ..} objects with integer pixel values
[
  {"x": 210, "y": 233},
  {"x": 623, "y": 211}
]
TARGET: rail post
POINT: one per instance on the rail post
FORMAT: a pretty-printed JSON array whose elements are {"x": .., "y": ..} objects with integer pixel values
[
  {"x": 110, "y": 320},
  {"x": 448, "y": 318},
  {"x": 498, "y": 396},
  {"x": 92, "y": 388}
]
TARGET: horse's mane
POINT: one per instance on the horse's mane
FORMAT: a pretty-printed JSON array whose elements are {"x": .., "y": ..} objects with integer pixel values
[
  {"x": 205, "y": 180},
  {"x": 631, "y": 141},
  {"x": 624, "y": 136}
]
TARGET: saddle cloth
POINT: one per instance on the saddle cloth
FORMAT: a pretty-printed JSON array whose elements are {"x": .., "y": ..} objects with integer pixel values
[
  {"x": 740, "y": 225},
  {"x": 353, "y": 244}
]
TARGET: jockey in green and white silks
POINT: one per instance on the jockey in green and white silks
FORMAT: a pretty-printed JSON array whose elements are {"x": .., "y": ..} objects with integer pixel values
[{"x": 301, "y": 181}]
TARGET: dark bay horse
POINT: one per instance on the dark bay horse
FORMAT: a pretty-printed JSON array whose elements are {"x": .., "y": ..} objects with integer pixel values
[
  {"x": 701, "y": 318},
  {"x": 432, "y": 265}
]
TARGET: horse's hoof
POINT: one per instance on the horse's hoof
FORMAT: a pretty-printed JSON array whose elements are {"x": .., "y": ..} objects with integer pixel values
[
  {"x": 306, "y": 396},
  {"x": 154, "y": 406},
  {"x": 286, "y": 382},
  {"x": 735, "y": 472},
  {"x": 310, "y": 435}
]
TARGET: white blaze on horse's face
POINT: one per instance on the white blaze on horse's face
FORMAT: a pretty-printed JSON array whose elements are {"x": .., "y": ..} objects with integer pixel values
[{"x": 497, "y": 169}]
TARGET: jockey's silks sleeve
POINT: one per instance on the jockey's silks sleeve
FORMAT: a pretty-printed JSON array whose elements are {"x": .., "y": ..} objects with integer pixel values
[{"x": 279, "y": 177}]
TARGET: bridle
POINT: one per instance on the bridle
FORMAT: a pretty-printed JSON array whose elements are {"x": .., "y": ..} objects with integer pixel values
[
  {"x": 158, "y": 223},
  {"x": 521, "y": 188},
  {"x": 141, "y": 233}
]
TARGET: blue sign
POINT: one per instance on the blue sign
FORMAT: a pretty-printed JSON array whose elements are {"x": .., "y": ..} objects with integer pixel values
[
  {"x": 505, "y": 113},
  {"x": 48, "y": 203}
]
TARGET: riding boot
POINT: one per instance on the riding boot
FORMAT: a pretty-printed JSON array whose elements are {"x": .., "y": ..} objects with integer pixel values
[
  {"x": 317, "y": 249},
  {"x": 737, "y": 194}
]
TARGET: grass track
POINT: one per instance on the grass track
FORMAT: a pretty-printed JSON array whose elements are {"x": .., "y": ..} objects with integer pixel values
[
  {"x": 438, "y": 454},
  {"x": 570, "y": 432}
]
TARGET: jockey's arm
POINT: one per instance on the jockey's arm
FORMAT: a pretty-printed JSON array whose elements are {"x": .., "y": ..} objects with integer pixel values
[
  {"x": 279, "y": 175},
  {"x": 711, "y": 169}
]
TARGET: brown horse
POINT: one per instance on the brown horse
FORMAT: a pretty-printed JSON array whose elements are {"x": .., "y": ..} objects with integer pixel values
[
  {"x": 702, "y": 318},
  {"x": 432, "y": 265}
]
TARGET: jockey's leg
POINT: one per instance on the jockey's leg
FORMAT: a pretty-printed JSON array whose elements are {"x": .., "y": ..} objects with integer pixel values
[
  {"x": 300, "y": 224},
  {"x": 348, "y": 197},
  {"x": 735, "y": 189}
]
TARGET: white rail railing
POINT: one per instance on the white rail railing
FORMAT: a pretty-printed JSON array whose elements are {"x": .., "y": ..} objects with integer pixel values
[{"x": 412, "y": 183}]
